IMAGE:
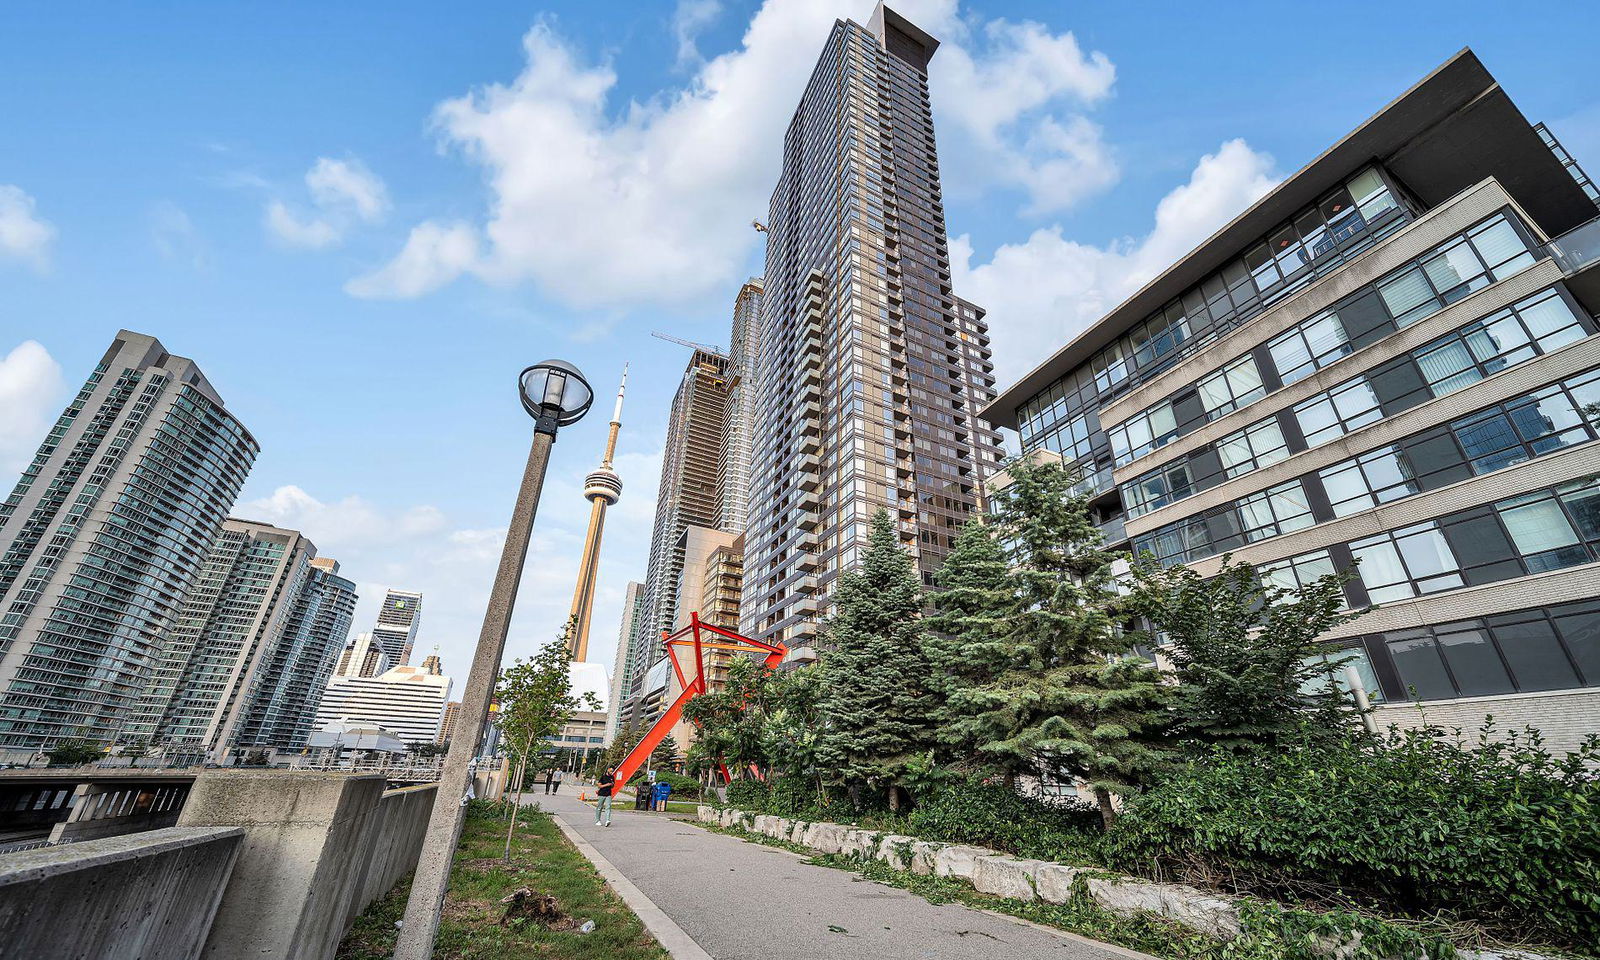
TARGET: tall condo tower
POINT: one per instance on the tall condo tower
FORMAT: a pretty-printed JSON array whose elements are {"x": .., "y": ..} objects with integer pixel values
[
  {"x": 102, "y": 538},
  {"x": 871, "y": 370},
  {"x": 399, "y": 619},
  {"x": 688, "y": 492},
  {"x": 252, "y": 649},
  {"x": 602, "y": 488}
]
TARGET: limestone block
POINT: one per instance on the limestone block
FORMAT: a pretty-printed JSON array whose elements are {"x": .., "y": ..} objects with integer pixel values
[
  {"x": 828, "y": 839},
  {"x": 859, "y": 843},
  {"x": 895, "y": 850},
  {"x": 1005, "y": 876},
  {"x": 705, "y": 814},
  {"x": 1200, "y": 911},
  {"x": 1053, "y": 882},
  {"x": 958, "y": 860},
  {"x": 923, "y": 853},
  {"x": 797, "y": 832}
]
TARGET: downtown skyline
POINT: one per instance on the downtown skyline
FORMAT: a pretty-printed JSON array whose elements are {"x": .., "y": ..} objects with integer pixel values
[{"x": 389, "y": 432}]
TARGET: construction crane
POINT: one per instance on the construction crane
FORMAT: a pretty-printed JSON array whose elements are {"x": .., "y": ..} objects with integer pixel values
[{"x": 685, "y": 343}]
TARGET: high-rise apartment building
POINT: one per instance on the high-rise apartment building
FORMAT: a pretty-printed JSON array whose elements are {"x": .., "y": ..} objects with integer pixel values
[
  {"x": 297, "y": 673},
  {"x": 252, "y": 648},
  {"x": 1390, "y": 358},
  {"x": 687, "y": 495},
  {"x": 733, "y": 464},
  {"x": 447, "y": 724},
  {"x": 408, "y": 701},
  {"x": 629, "y": 637},
  {"x": 871, "y": 369},
  {"x": 399, "y": 617},
  {"x": 103, "y": 536},
  {"x": 362, "y": 657}
]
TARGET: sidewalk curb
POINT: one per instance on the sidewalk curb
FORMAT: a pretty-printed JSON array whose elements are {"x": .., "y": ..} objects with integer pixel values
[{"x": 671, "y": 936}]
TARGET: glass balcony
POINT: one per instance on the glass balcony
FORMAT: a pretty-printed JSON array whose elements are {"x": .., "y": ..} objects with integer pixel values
[{"x": 1579, "y": 248}]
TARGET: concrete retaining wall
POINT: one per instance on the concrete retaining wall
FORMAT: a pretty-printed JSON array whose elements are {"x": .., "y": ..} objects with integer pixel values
[
  {"x": 1215, "y": 915},
  {"x": 149, "y": 895},
  {"x": 318, "y": 847}
]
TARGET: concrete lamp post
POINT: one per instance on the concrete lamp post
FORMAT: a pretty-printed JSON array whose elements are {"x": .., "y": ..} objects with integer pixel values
[{"x": 555, "y": 394}]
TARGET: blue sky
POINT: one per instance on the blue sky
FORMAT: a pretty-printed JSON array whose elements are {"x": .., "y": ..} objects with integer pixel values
[{"x": 362, "y": 219}]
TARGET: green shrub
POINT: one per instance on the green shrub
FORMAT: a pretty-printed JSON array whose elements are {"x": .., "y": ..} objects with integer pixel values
[
  {"x": 994, "y": 815},
  {"x": 748, "y": 795},
  {"x": 683, "y": 788},
  {"x": 1502, "y": 834}
]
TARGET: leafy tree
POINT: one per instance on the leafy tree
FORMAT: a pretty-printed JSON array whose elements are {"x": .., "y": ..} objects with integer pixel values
[
  {"x": 875, "y": 674},
  {"x": 968, "y": 648},
  {"x": 423, "y": 750},
  {"x": 1245, "y": 650},
  {"x": 74, "y": 752},
  {"x": 536, "y": 700},
  {"x": 1067, "y": 696}
]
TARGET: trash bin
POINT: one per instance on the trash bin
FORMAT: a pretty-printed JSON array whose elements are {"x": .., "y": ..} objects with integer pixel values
[{"x": 641, "y": 800}]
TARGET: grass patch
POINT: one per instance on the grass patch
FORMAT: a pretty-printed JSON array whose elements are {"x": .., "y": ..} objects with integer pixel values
[{"x": 542, "y": 860}]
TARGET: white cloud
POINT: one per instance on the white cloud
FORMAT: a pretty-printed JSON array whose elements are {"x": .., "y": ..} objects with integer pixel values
[
  {"x": 1008, "y": 101},
  {"x": 347, "y": 183},
  {"x": 175, "y": 236},
  {"x": 434, "y": 254},
  {"x": 23, "y": 235},
  {"x": 30, "y": 396},
  {"x": 609, "y": 204},
  {"x": 1046, "y": 290},
  {"x": 343, "y": 192},
  {"x": 688, "y": 19}
]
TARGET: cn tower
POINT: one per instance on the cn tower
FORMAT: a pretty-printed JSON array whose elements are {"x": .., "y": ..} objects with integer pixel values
[{"x": 602, "y": 488}]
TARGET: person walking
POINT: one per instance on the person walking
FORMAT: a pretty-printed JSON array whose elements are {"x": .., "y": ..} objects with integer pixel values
[
  {"x": 603, "y": 791},
  {"x": 549, "y": 779},
  {"x": 555, "y": 785}
]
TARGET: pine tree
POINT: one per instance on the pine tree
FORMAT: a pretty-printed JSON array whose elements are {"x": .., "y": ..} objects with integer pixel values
[
  {"x": 967, "y": 648},
  {"x": 666, "y": 754},
  {"x": 876, "y": 702},
  {"x": 1251, "y": 669},
  {"x": 1071, "y": 698}
]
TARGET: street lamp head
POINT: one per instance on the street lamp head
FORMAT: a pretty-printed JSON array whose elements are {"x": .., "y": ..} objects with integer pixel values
[{"x": 555, "y": 394}]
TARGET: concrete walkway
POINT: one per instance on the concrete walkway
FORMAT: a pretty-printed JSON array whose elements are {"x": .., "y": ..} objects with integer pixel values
[{"x": 745, "y": 901}]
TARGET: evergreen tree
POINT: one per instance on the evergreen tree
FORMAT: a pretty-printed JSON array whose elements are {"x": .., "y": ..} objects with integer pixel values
[
  {"x": 875, "y": 697},
  {"x": 967, "y": 648},
  {"x": 666, "y": 754},
  {"x": 1070, "y": 698},
  {"x": 1251, "y": 670}
]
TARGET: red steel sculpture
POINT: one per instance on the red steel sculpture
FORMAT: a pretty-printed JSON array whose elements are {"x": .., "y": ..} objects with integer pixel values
[{"x": 686, "y": 642}]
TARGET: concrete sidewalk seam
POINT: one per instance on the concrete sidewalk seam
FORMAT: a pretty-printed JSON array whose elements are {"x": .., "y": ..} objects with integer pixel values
[{"x": 672, "y": 937}]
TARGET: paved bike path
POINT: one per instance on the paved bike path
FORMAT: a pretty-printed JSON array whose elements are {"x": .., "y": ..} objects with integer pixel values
[{"x": 746, "y": 901}]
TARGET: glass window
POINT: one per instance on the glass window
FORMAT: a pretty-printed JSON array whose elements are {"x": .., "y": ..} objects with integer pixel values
[
  {"x": 1538, "y": 526},
  {"x": 1258, "y": 445},
  {"x": 1455, "y": 271},
  {"x": 1232, "y": 387},
  {"x": 1408, "y": 297},
  {"x": 1501, "y": 248},
  {"x": 1489, "y": 441},
  {"x": 1275, "y": 510},
  {"x": 1368, "y": 480},
  {"x": 1447, "y": 366},
  {"x": 1371, "y": 194},
  {"x": 1421, "y": 669},
  {"x": 1549, "y": 320},
  {"x": 1474, "y": 663},
  {"x": 1535, "y": 656},
  {"x": 1309, "y": 346},
  {"x": 1582, "y": 500},
  {"x": 1407, "y": 562}
]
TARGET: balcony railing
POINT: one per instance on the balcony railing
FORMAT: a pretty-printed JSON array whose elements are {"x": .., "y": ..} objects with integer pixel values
[{"x": 1578, "y": 248}]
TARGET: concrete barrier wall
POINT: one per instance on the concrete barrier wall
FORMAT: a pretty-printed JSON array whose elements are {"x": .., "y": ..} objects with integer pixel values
[
  {"x": 318, "y": 847},
  {"x": 394, "y": 843},
  {"x": 150, "y": 895}
]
